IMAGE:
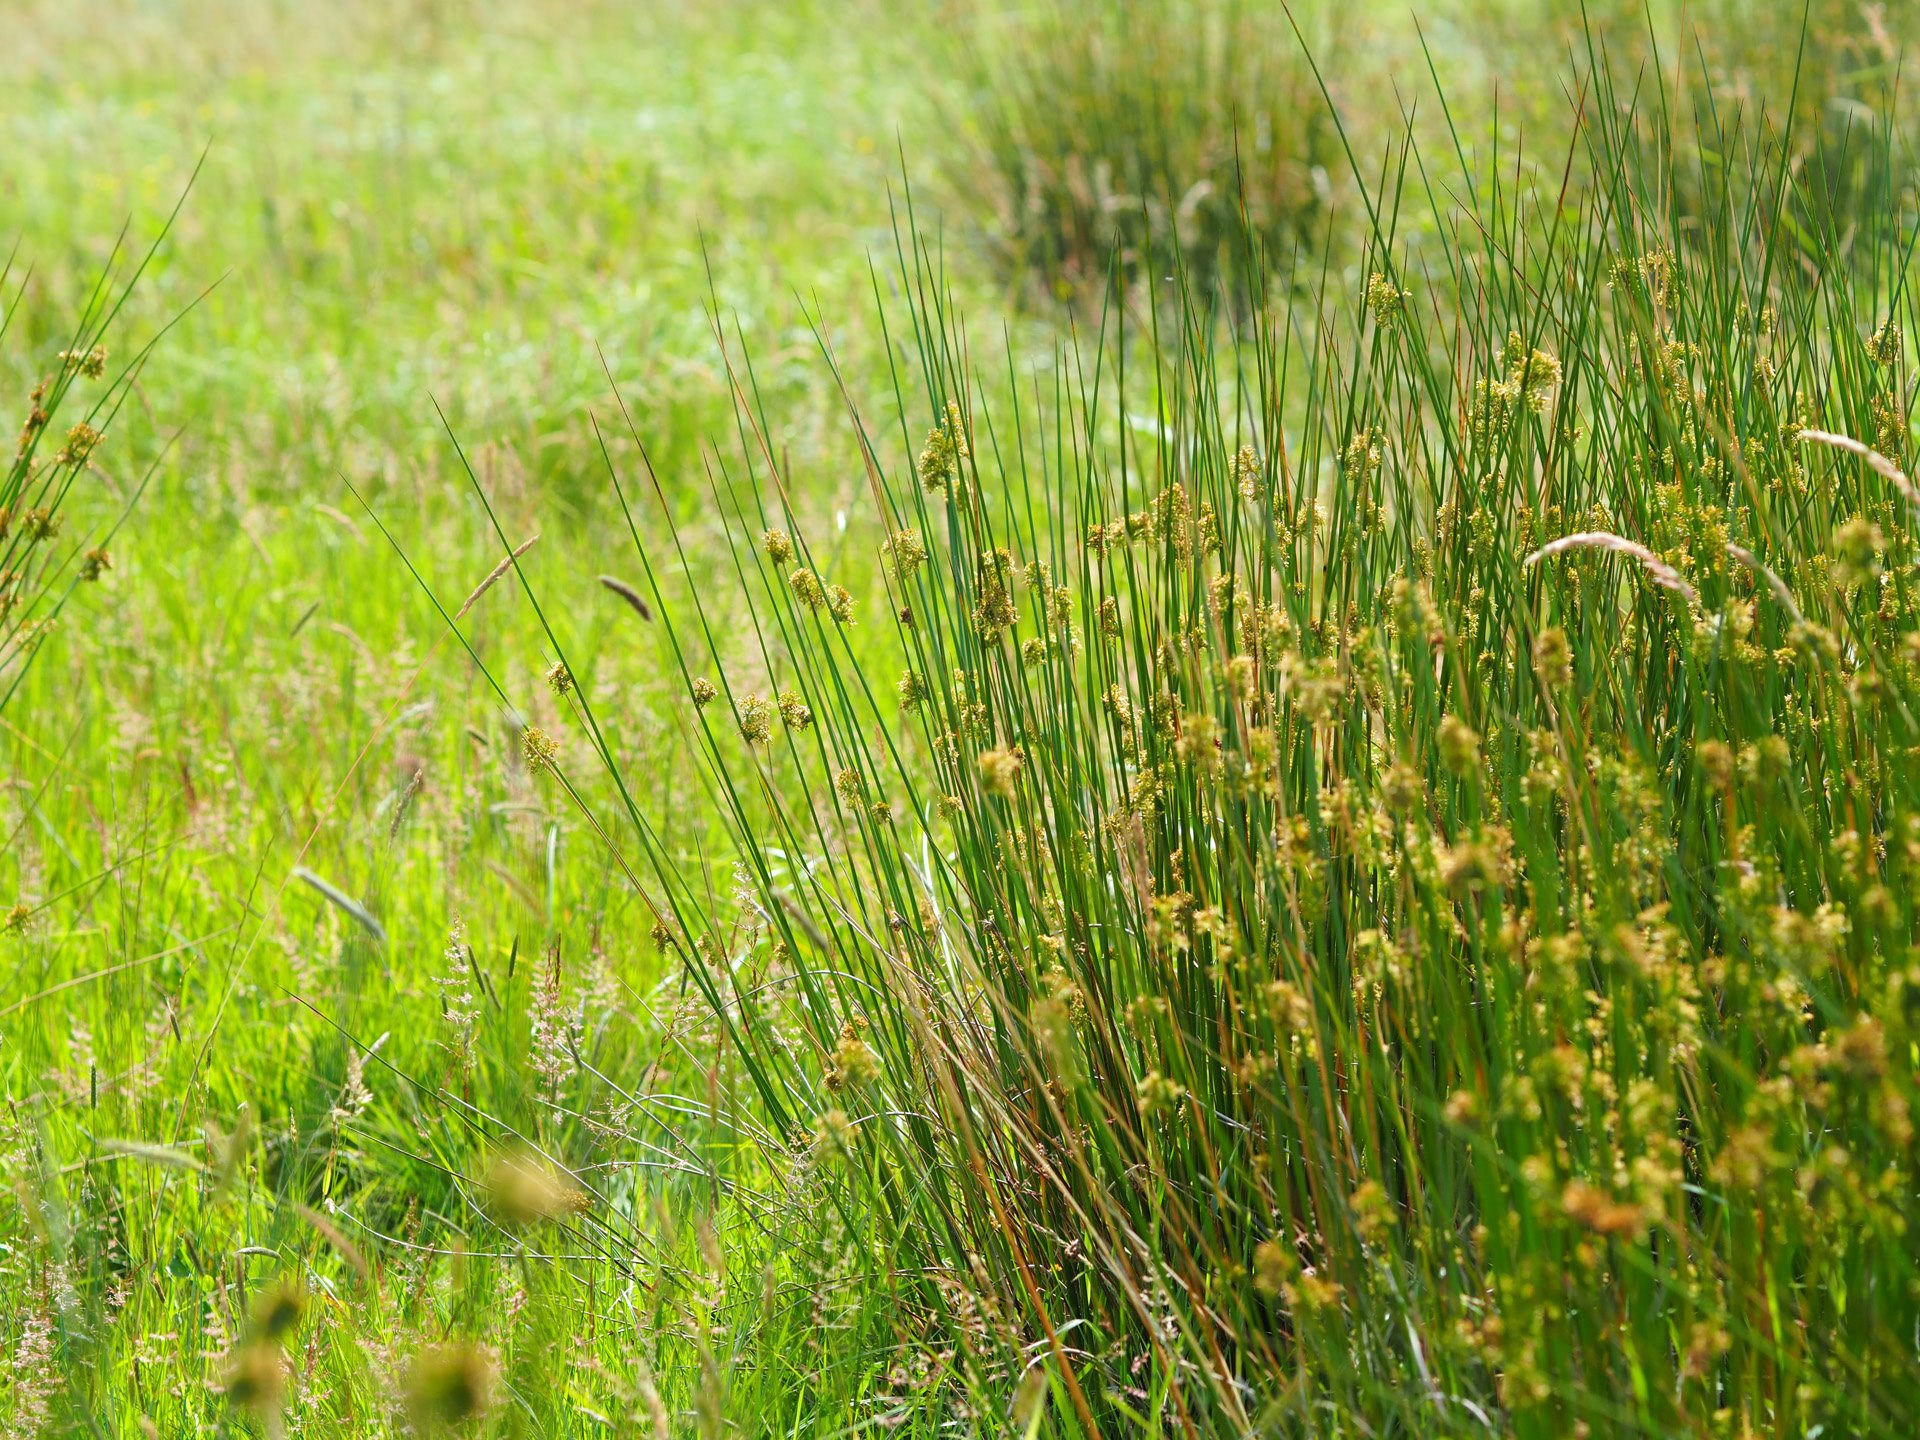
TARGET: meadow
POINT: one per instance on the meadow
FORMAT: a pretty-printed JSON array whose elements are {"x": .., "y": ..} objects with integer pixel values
[{"x": 822, "y": 719}]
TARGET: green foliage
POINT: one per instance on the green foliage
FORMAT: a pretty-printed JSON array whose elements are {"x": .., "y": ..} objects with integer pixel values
[
  {"x": 1135, "y": 140},
  {"x": 1333, "y": 867},
  {"x": 1391, "y": 907}
]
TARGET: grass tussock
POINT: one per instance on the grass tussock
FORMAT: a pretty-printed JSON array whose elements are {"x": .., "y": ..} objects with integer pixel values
[
  {"x": 1134, "y": 140},
  {"x": 1367, "y": 887}
]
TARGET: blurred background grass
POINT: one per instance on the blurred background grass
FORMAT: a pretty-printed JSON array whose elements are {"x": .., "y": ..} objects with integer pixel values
[{"x": 479, "y": 206}]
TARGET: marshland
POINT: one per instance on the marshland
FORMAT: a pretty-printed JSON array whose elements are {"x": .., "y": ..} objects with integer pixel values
[{"x": 1182, "y": 718}]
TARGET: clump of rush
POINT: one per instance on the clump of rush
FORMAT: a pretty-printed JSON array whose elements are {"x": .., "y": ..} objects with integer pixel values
[{"x": 1398, "y": 871}]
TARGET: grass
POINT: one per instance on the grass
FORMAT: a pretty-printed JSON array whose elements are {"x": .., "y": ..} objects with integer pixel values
[{"x": 1316, "y": 957}]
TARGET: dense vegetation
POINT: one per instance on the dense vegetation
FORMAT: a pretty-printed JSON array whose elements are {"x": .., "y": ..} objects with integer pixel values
[{"x": 1247, "y": 764}]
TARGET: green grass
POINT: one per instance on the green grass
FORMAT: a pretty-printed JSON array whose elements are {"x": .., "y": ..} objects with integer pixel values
[{"x": 1315, "y": 1004}]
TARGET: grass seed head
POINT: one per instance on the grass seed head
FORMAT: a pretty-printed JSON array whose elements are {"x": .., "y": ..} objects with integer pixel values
[{"x": 450, "y": 1385}]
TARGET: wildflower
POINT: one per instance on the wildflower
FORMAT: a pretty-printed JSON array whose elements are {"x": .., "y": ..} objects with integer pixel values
[
  {"x": 806, "y": 588},
  {"x": 847, "y": 784},
  {"x": 450, "y": 1384},
  {"x": 946, "y": 447},
  {"x": 778, "y": 545},
  {"x": 912, "y": 689},
  {"x": 1459, "y": 746},
  {"x": 559, "y": 678},
  {"x": 840, "y": 604},
  {"x": 756, "y": 720},
  {"x": 704, "y": 691},
  {"x": 94, "y": 564},
  {"x": 1000, "y": 772},
  {"x": 795, "y": 713},
  {"x": 1385, "y": 299},
  {"x": 905, "y": 551},
  {"x": 538, "y": 748}
]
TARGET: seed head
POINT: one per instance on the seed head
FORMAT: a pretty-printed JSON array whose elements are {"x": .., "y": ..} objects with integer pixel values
[
  {"x": 1883, "y": 345},
  {"x": 1716, "y": 762},
  {"x": 840, "y": 603},
  {"x": 559, "y": 678},
  {"x": 912, "y": 689},
  {"x": 1857, "y": 547},
  {"x": 257, "y": 1376},
  {"x": 1384, "y": 299},
  {"x": 1553, "y": 659},
  {"x": 524, "y": 1189},
  {"x": 538, "y": 748},
  {"x": 833, "y": 1135},
  {"x": 807, "y": 589},
  {"x": 449, "y": 1385},
  {"x": 1000, "y": 772},
  {"x": 756, "y": 720},
  {"x": 1459, "y": 746},
  {"x": 1159, "y": 1095},
  {"x": 795, "y": 713},
  {"x": 94, "y": 564},
  {"x": 905, "y": 551},
  {"x": 82, "y": 440},
  {"x": 90, "y": 363},
  {"x": 946, "y": 447},
  {"x": 278, "y": 1308},
  {"x": 778, "y": 545},
  {"x": 704, "y": 690}
]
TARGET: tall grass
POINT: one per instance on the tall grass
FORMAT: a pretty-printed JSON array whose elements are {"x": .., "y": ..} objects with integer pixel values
[
  {"x": 1362, "y": 881},
  {"x": 67, "y": 415},
  {"x": 1134, "y": 140}
]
